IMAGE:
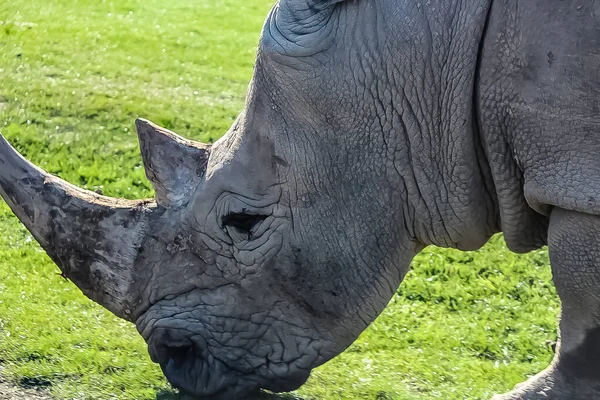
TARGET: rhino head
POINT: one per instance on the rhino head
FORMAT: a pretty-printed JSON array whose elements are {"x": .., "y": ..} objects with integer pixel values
[{"x": 264, "y": 255}]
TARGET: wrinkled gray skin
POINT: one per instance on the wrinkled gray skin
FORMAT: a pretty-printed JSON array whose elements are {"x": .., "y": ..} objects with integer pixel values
[{"x": 372, "y": 128}]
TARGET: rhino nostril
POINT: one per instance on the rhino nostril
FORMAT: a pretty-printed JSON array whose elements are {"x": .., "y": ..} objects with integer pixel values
[
  {"x": 180, "y": 354},
  {"x": 166, "y": 345},
  {"x": 162, "y": 354}
]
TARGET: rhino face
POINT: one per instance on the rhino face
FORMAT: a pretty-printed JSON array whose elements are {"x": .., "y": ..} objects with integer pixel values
[
  {"x": 234, "y": 304},
  {"x": 263, "y": 256}
]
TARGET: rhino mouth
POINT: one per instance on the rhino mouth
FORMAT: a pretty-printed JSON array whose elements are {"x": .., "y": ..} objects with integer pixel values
[
  {"x": 197, "y": 374},
  {"x": 191, "y": 368},
  {"x": 200, "y": 378}
]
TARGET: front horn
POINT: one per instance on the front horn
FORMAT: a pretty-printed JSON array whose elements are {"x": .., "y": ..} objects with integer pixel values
[{"x": 93, "y": 239}]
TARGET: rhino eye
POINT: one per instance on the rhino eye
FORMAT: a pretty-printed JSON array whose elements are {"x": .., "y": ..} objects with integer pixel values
[{"x": 242, "y": 222}]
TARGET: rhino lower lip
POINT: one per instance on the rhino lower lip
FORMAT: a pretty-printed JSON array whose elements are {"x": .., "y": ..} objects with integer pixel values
[
  {"x": 195, "y": 377},
  {"x": 289, "y": 383}
]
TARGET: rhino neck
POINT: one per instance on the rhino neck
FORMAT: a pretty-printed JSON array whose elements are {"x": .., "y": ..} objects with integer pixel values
[
  {"x": 436, "y": 146},
  {"x": 390, "y": 121}
]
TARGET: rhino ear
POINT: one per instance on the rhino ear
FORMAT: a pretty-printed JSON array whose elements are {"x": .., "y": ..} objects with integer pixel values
[
  {"x": 304, "y": 15},
  {"x": 315, "y": 5},
  {"x": 298, "y": 27},
  {"x": 174, "y": 165}
]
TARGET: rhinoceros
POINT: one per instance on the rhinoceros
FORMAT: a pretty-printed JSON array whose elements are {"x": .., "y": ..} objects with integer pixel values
[{"x": 372, "y": 128}]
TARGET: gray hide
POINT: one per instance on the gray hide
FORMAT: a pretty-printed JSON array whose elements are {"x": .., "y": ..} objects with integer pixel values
[{"x": 372, "y": 128}]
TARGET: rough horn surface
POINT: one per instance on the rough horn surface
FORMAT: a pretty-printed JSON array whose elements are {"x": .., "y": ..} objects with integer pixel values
[
  {"x": 93, "y": 239},
  {"x": 173, "y": 164}
]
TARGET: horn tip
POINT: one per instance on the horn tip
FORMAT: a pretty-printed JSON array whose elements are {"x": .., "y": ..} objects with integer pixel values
[
  {"x": 149, "y": 134},
  {"x": 144, "y": 126},
  {"x": 3, "y": 142},
  {"x": 8, "y": 154},
  {"x": 149, "y": 130}
]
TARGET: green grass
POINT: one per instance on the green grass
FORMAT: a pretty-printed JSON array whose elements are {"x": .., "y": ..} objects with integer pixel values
[{"x": 75, "y": 75}]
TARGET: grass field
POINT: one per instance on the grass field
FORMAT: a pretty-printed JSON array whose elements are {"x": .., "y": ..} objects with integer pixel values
[{"x": 73, "y": 77}]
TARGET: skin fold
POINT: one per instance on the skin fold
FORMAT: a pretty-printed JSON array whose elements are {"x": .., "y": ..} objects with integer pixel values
[{"x": 371, "y": 129}]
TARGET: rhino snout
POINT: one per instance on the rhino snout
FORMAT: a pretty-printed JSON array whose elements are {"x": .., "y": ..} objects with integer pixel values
[{"x": 190, "y": 367}]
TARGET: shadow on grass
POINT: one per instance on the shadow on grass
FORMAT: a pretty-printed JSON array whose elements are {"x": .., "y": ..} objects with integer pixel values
[{"x": 172, "y": 395}]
